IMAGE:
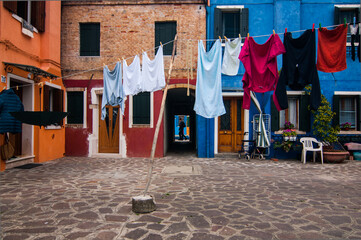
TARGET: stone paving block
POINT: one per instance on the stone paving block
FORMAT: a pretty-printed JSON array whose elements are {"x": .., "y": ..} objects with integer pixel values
[
  {"x": 176, "y": 228},
  {"x": 135, "y": 234},
  {"x": 77, "y": 235},
  {"x": 153, "y": 236},
  {"x": 198, "y": 221},
  {"x": 109, "y": 235}
]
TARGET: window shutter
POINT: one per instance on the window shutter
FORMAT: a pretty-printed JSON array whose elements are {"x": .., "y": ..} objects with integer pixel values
[
  {"x": 38, "y": 15},
  {"x": 46, "y": 100},
  {"x": 358, "y": 112},
  {"x": 75, "y": 107},
  {"x": 218, "y": 31},
  {"x": 12, "y": 6},
  {"x": 244, "y": 15},
  {"x": 305, "y": 114},
  {"x": 89, "y": 39},
  {"x": 141, "y": 108},
  {"x": 275, "y": 117},
  {"x": 336, "y": 109},
  {"x": 165, "y": 32},
  {"x": 336, "y": 16}
]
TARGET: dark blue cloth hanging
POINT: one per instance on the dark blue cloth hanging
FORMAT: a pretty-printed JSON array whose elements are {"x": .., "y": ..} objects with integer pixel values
[{"x": 9, "y": 102}]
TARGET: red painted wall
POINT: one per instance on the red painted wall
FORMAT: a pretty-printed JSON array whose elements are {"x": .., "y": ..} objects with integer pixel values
[
  {"x": 139, "y": 140},
  {"x": 76, "y": 139}
]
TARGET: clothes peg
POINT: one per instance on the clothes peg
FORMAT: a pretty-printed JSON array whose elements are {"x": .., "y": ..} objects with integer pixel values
[
  {"x": 274, "y": 32},
  {"x": 354, "y": 21},
  {"x": 320, "y": 26},
  {"x": 247, "y": 36},
  {"x": 118, "y": 59},
  {"x": 285, "y": 30},
  {"x": 103, "y": 64},
  {"x": 239, "y": 35},
  {"x": 161, "y": 44},
  {"x": 123, "y": 58},
  {"x": 313, "y": 27},
  {"x": 225, "y": 38},
  {"x": 345, "y": 22},
  {"x": 4, "y": 88},
  {"x": 17, "y": 87},
  {"x": 220, "y": 39}
]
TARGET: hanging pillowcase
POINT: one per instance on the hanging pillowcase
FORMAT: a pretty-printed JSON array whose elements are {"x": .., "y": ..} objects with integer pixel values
[{"x": 231, "y": 62}]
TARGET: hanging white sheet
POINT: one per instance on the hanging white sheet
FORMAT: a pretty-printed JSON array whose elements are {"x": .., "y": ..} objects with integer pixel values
[
  {"x": 132, "y": 77},
  {"x": 153, "y": 78},
  {"x": 231, "y": 62}
]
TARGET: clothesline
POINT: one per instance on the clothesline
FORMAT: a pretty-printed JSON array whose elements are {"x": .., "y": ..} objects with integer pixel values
[
  {"x": 206, "y": 40},
  {"x": 258, "y": 36}
]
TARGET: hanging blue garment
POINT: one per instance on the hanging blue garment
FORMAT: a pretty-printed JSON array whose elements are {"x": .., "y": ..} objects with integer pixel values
[
  {"x": 9, "y": 102},
  {"x": 113, "y": 93},
  {"x": 209, "y": 101}
]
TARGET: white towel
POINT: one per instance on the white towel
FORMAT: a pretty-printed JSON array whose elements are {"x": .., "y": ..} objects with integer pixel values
[
  {"x": 230, "y": 57},
  {"x": 132, "y": 77},
  {"x": 153, "y": 78}
]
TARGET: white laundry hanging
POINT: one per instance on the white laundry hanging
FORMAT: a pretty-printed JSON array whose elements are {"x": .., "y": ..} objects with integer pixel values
[
  {"x": 132, "y": 77},
  {"x": 153, "y": 78},
  {"x": 230, "y": 57}
]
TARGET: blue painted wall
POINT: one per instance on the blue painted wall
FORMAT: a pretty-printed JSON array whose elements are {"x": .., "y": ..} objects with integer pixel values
[{"x": 266, "y": 15}]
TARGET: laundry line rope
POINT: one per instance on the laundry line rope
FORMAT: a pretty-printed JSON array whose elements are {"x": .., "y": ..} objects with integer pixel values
[{"x": 151, "y": 49}]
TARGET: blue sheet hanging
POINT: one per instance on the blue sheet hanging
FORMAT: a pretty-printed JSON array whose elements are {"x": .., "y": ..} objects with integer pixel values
[
  {"x": 209, "y": 101},
  {"x": 9, "y": 102}
]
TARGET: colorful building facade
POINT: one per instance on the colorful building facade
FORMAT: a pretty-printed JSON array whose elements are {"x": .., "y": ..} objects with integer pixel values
[
  {"x": 259, "y": 19},
  {"x": 30, "y": 66},
  {"x": 95, "y": 34}
]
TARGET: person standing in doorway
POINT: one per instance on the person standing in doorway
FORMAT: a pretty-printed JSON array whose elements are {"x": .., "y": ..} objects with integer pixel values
[{"x": 181, "y": 128}]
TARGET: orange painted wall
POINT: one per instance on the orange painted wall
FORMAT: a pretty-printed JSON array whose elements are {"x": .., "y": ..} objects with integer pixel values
[{"x": 42, "y": 51}]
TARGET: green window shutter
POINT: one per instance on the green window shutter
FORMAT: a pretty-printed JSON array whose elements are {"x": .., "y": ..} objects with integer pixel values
[
  {"x": 304, "y": 114},
  {"x": 89, "y": 39},
  {"x": 275, "y": 117},
  {"x": 75, "y": 108},
  {"x": 336, "y": 19},
  {"x": 336, "y": 109},
  {"x": 141, "y": 108},
  {"x": 358, "y": 113},
  {"x": 244, "y": 18},
  {"x": 218, "y": 31},
  {"x": 12, "y": 6},
  {"x": 38, "y": 15},
  {"x": 165, "y": 32}
]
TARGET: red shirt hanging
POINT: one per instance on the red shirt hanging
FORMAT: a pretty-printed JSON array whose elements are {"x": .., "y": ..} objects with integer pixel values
[{"x": 331, "y": 52}]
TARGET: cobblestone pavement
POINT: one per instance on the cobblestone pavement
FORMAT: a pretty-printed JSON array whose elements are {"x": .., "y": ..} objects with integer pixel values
[{"x": 197, "y": 199}]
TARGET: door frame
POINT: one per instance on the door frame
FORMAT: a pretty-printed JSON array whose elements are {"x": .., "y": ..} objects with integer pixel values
[
  {"x": 94, "y": 137},
  {"x": 27, "y": 130},
  {"x": 245, "y": 122}
]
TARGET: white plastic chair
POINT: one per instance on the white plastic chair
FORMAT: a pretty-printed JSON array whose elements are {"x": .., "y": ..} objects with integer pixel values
[{"x": 307, "y": 143}]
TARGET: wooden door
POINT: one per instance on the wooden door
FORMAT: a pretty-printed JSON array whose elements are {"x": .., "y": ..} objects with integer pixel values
[
  {"x": 109, "y": 130},
  {"x": 230, "y": 126}
]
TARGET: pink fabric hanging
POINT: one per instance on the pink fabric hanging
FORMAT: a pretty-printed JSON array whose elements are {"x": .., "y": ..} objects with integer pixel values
[{"x": 260, "y": 62}]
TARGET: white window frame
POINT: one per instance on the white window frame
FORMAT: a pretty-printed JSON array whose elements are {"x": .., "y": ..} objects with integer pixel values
[
  {"x": 345, "y": 94},
  {"x": 50, "y": 127},
  {"x": 150, "y": 125}
]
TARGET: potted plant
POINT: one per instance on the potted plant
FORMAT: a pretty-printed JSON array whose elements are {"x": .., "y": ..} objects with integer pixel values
[
  {"x": 346, "y": 126},
  {"x": 289, "y": 135},
  {"x": 327, "y": 133}
]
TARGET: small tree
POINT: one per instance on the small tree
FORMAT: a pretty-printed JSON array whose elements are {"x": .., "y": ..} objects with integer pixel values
[{"x": 322, "y": 124}]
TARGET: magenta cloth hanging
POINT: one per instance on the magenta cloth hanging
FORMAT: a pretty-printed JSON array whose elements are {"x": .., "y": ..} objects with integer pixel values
[{"x": 260, "y": 62}]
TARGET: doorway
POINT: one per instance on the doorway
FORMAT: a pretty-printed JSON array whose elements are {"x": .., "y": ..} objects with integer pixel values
[
  {"x": 179, "y": 105},
  {"x": 109, "y": 129},
  {"x": 230, "y": 126},
  {"x": 23, "y": 142}
]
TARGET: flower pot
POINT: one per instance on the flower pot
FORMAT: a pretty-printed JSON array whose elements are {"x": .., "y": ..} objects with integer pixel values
[
  {"x": 293, "y": 138},
  {"x": 286, "y": 138},
  {"x": 335, "y": 157}
]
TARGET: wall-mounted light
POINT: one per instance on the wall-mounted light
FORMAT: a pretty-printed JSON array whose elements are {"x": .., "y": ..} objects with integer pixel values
[{"x": 30, "y": 76}]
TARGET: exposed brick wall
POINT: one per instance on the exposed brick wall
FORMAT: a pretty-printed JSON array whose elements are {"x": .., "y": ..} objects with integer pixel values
[{"x": 126, "y": 30}]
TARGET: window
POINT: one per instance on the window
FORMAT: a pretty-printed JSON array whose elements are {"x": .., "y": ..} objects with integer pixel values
[
  {"x": 230, "y": 22},
  {"x": 141, "y": 108},
  {"x": 75, "y": 107},
  {"x": 347, "y": 106},
  {"x": 165, "y": 32},
  {"x": 89, "y": 39},
  {"x": 348, "y": 12},
  {"x": 291, "y": 114},
  {"x": 53, "y": 100},
  {"x": 32, "y": 12},
  {"x": 297, "y": 113}
]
